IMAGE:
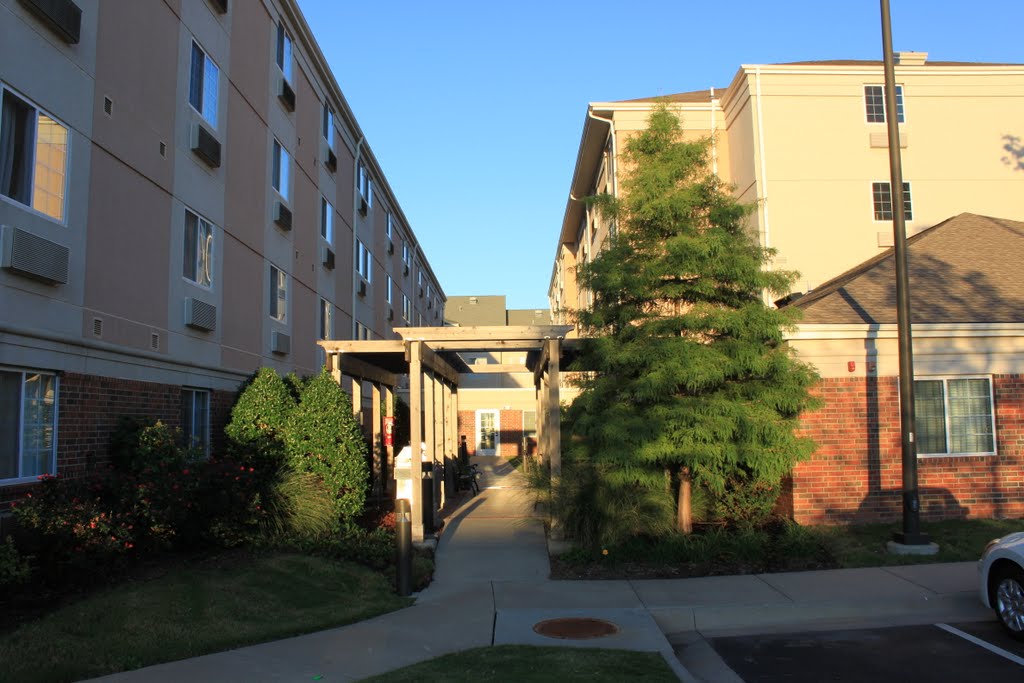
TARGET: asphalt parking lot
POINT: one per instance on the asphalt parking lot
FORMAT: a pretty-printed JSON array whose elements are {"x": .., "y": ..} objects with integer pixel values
[{"x": 975, "y": 651}]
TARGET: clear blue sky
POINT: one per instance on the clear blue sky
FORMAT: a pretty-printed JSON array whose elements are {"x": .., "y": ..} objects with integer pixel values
[{"x": 474, "y": 109}]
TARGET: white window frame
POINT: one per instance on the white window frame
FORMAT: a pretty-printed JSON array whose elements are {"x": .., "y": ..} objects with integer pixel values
[
  {"x": 497, "y": 432},
  {"x": 327, "y": 125},
  {"x": 211, "y": 114},
  {"x": 283, "y": 52},
  {"x": 901, "y": 110},
  {"x": 365, "y": 184},
  {"x": 406, "y": 254},
  {"x": 188, "y": 420},
  {"x": 278, "y": 309},
  {"x": 195, "y": 259},
  {"x": 388, "y": 232},
  {"x": 364, "y": 262},
  {"x": 389, "y": 288},
  {"x": 945, "y": 379},
  {"x": 280, "y": 172},
  {"x": 326, "y": 220},
  {"x": 406, "y": 308},
  {"x": 908, "y": 201},
  {"x": 21, "y": 475},
  {"x": 33, "y": 202},
  {"x": 326, "y": 330}
]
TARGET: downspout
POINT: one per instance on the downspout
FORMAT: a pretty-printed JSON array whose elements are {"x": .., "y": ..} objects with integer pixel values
[
  {"x": 355, "y": 224},
  {"x": 766, "y": 235},
  {"x": 714, "y": 141}
]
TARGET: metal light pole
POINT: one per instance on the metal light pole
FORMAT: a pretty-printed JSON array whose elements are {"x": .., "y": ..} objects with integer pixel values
[{"x": 911, "y": 533}]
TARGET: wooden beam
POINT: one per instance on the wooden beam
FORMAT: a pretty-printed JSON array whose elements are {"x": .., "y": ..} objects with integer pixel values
[
  {"x": 496, "y": 368},
  {"x": 439, "y": 365},
  {"x": 360, "y": 369},
  {"x": 536, "y": 333},
  {"x": 491, "y": 345},
  {"x": 362, "y": 346},
  {"x": 542, "y": 363}
]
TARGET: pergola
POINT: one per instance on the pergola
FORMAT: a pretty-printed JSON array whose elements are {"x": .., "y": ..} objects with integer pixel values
[{"x": 430, "y": 358}]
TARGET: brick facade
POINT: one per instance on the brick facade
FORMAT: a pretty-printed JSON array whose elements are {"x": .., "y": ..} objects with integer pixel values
[
  {"x": 88, "y": 411},
  {"x": 856, "y": 474}
]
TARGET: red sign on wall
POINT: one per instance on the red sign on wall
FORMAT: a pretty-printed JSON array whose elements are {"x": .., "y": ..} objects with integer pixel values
[{"x": 389, "y": 431}]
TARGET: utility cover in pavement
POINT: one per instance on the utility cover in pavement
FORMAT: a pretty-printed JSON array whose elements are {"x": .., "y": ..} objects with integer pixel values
[{"x": 576, "y": 628}]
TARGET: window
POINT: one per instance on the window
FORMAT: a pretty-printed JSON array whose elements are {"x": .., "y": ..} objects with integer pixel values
[
  {"x": 328, "y": 126},
  {"x": 28, "y": 424},
  {"x": 362, "y": 332},
  {"x": 365, "y": 185},
  {"x": 954, "y": 416},
  {"x": 33, "y": 157},
  {"x": 278, "y": 293},
  {"x": 202, "y": 85},
  {"x": 364, "y": 262},
  {"x": 326, "y": 220},
  {"x": 406, "y": 254},
  {"x": 387, "y": 228},
  {"x": 419, "y": 276},
  {"x": 282, "y": 170},
  {"x": 326, "y": 319},
  {"x": 284, "y": 52},
  {"x": 881, "y": 196},
  {"x": 874, "y": 103},
  {"x": 406, "y": 308},
  {"x": 197, "y": 261},
  {"x": 195, "y": 419},
  {"x": 390, "y": 285}
]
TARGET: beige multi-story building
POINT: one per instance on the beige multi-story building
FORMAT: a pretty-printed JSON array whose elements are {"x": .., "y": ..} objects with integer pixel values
[
  {"x": 806, "y": 143},
  {"x": 185, "y": 196}
]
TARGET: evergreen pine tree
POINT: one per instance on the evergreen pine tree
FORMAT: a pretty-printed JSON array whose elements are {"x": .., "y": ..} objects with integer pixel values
[{"x": 691, "y": 377}]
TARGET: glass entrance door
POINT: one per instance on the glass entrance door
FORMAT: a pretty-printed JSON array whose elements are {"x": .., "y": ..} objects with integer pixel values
[{"x": 487, "y": 432}]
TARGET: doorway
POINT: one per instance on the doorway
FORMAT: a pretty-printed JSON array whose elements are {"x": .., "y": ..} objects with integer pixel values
[{"x": 487, "y": 432}]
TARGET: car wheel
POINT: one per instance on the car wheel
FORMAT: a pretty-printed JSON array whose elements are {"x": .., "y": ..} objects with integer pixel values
[{"x": 1008, "y": 601}]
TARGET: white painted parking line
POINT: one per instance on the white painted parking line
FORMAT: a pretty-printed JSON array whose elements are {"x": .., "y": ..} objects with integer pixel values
[{"x": 978, "y": 641}]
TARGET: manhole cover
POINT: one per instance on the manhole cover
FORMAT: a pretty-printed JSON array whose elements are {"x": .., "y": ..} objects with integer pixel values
[{"x": 576, "y": 628}]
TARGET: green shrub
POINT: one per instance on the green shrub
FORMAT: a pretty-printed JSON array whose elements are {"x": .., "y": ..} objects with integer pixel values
[
  {"x": 14, "y": 569},
  {"x": 746, "y": 501},
  {"x": 144, "y": 442},
  {"x": 255, "y": 432},
  {"x": 322, "y": 436}
]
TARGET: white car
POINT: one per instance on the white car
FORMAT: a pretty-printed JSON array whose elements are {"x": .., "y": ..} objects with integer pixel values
[{"x": 1001, "y": 581}]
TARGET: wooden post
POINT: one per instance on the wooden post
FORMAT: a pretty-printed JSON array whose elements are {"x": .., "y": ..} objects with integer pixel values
[
  {"x": 439, "y": 492},
  {"x": 389, "y": 451},
  {"x": 416, "y": 435},
  {"x": 553, "y": 419},
  {"x": 430, "y": 424},
  {"x": 357, "y": 401},
  {"x": 449, "y": 439},
  {"x": 378, "y": 444}
]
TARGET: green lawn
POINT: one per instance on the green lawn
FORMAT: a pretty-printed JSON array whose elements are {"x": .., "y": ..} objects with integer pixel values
[
  {"x": 524, "y": 664},
  {"x": 193, "y": 611}
]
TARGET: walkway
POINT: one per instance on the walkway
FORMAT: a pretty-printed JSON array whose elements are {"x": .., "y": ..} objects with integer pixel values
[{"x": 491, "y": 587}]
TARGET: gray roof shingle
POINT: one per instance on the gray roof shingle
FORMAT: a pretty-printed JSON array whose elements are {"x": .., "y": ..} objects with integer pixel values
[{"x": 967, "y": 269}]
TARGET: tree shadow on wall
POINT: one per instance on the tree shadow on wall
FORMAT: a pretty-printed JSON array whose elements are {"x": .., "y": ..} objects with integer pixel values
[{"x": 1014, "y": 148}]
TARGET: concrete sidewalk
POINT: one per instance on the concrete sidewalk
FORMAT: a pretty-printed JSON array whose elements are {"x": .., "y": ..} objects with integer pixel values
[{"x": 491, "y": 587}]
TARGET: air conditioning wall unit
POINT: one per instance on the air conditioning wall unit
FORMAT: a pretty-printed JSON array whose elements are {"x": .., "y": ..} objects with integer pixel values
[
  {"x": 283, "y": 216},
  {"x": 32, "y": 256},
  {"x": 362, "y": 288},
  {"x": 391, "y": 314},
  {"x": 205, "y": 145},
  {"x": 280, "y": 342},
  {"x": 391, "y": 247},
  {"x": 200, "y": 315},
  {"x": 364, "y": 207},
  {"x": 405, "y": 269},
  {"x": 286, "y": 94},
  {"x": 327, "y": 258},
  {"x": 331, "y": 160},
  {"x": 220, "y": 5}
]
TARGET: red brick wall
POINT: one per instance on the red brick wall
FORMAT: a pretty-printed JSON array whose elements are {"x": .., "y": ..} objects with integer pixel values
[
  {"x": 510, "y": 424},
  {"x": 88, "y": 411},
  {"x": 856, "y": 474}
]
